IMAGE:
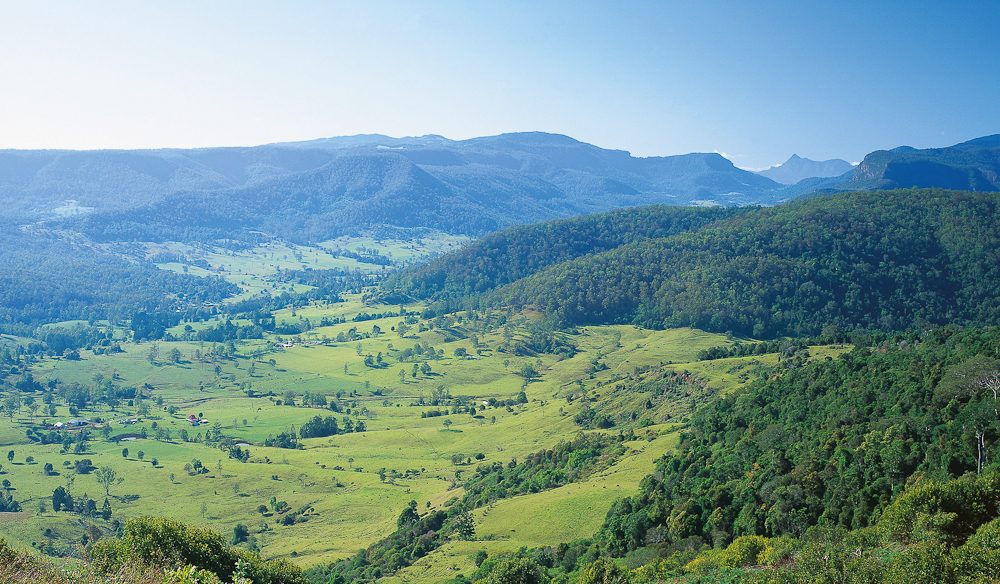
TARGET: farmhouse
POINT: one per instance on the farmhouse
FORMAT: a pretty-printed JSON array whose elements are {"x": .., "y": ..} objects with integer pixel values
[{"x": 196, "y": 421}]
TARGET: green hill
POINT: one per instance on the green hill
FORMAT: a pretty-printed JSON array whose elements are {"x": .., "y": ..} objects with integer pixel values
[
  {"x": 885, "y": 260},
  {"x": 503, "y": 257}
]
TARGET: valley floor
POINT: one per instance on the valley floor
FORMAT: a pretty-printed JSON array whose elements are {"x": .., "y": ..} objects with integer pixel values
[{"x": 347, "y": 490}]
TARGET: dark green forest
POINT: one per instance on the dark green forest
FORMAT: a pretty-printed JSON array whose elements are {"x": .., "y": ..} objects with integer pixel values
[
  {"x": 506, "y": 256},
  {"x": 828, "y": 442},
  {"x": 886, "y": 260}
]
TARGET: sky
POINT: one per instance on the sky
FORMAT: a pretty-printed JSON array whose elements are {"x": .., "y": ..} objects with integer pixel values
[{"x": 755, "y": 81}]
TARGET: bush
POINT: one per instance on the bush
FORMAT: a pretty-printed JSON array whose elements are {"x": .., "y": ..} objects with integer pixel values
[
  {"x": 747, "y": 550},
  {"x": 927, "y": 562},
  {"x": 604, "y": 572},
  {"x": 707, "y": 562},
  {"x": 978, "y": 560},
  {"x": 171, "y": 544},
  {"x": 778, "y": 550},
  {"x": 943, "y": 512},
  {"x": 515, "y": 570}
]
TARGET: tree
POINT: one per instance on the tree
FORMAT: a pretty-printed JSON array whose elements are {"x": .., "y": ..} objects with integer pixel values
[
  {"x": 60, "y": 499},
  {"x": 515, "y": 570},
  {"x": 124, "y": 452},
  {"x": 604, "y": 571},
  {"x": 528, "y": 372},
  {"x": 174, "y": 355},
  {"x": 409, "y": 516},
  {"x": 240, "y": 533},
  {"x": 141, "y": 455},
  {"x": 10, "y": 456},
  {"x": 447, "y": 423},
  {"x": 464, "y": 527},
  {"x": 154, "y": 354}
]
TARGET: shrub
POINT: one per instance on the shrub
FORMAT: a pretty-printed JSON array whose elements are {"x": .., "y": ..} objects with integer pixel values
[
  {"x": 778, "y": 550},
  {"x": 604, "y": 571},
  {"x": 945, "y": 512},
  {"x": 979, "y": 558},
  {"x": 927, "y": 562},
  {"x": 745, "y": 551},
  {"x": 515, "y": 570},
  {"x": 171, "y": 544}
]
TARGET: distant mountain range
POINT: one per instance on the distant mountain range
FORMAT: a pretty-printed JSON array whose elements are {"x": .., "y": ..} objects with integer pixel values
[
  {"x": 322, "y": 188},
  {"x": 327, "y": 187},
  {"x": 796, "y": 169}
]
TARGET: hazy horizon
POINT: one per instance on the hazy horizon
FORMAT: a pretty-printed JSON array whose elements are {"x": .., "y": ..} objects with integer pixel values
[{"x": 754, "y": 83}]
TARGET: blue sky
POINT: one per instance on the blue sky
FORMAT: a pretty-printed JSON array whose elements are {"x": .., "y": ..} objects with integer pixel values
[{"x": 754, "y": 80}]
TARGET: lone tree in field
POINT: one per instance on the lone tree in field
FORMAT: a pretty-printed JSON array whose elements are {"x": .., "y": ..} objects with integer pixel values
[{"x": 107, "y": 478}]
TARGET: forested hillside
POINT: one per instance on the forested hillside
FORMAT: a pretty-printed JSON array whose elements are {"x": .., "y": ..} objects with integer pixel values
[
  {"x": 971, "y": 165},
  {"x": 828, "y": 442},
  {"x": 885, "y": 260},
  {"x": 43, "y": 279},
  {"x": 873, "y": 466},
  {"x": 518, "y": 252}
]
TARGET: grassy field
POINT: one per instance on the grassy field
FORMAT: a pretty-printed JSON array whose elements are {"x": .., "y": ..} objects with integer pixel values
[
  {"x": 254, "y": 269},
  {"x": 351, "y": 487}
]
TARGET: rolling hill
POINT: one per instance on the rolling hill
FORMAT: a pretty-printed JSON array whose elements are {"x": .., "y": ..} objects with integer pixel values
[
  {"x": 873, "y": 259},
  {"x": 509, "y": 255}
]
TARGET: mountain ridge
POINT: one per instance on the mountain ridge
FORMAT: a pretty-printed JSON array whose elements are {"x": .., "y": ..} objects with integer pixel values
[{"x": 797, "y": 169}]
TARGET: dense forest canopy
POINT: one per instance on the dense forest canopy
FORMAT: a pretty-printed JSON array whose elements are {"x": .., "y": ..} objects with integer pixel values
[
  {"x": 828, "y": 442},
  {"x": 880, "y": 260},
  {"x": 518, "y": 252}
]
